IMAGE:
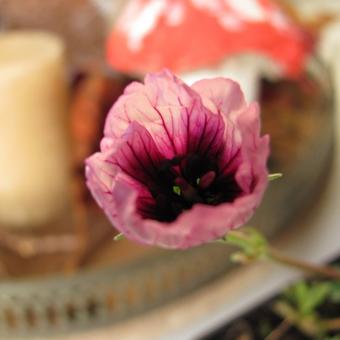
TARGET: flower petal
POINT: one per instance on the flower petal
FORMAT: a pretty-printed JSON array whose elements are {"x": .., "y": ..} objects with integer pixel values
[
  {"x": 170, "y": 110},
  {"x": 100, "y": 178},
  {"x": 138, "y": 155},
  {"x": 252, "y": 175},
  {"x": 220, "y": 95},
  {"x": 201, "y": 224},
  {"x": 242, "y": 134}
]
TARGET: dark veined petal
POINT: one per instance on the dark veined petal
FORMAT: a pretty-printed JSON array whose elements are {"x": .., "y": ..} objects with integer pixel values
[
  {"x": 247, "y": 151},
  {"x": 138, "y": 155}
]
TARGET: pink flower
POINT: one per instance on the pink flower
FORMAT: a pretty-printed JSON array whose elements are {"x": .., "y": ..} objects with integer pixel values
[{"x": 180, "y": 166}]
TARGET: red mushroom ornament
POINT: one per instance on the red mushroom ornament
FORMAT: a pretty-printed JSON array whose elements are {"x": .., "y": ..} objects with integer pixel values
[{"x": 207, "y": 37}]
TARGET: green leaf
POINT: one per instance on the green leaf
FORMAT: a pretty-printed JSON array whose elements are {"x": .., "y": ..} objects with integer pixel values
[
  {"x": 249, "y": 240},
  {"x": 273, "y": 177},
  {"x": 239, "y": 257},
  {"x": 308, "y": 324},
  {"x": 300, "y": 294},
  {"x": 119, "y": 237},
  {"x": 316, "y": 296},
  {"x": 308, "y": 297},
  {"x": 334, "y": 292},
  {"x": 235, "y": 240}
]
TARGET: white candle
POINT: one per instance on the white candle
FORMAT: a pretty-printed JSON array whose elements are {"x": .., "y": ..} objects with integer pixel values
[{"x": 34, "y": 161}]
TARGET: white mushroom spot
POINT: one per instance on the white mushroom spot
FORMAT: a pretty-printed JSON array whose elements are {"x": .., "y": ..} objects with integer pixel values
[
  {"x": 279, "y": 20},
  {"x": 225, "y": 16},
  {"x": 230, "y": 22},
  {"x": 247, "y": 9},
  {"x": 213, "y": 6},
  {"x": 175, "y": 14},
  {"x": 233, "y": 14},
  {"x": 139, "y": 20}
]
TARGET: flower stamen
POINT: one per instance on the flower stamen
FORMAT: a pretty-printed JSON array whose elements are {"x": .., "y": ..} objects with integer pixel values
[
  {"x": 206, "y": 180},
  {"x": 188, "y": 192}
]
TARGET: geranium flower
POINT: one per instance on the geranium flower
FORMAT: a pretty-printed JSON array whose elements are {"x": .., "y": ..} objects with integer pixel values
[{"x": 180, "y": 166}]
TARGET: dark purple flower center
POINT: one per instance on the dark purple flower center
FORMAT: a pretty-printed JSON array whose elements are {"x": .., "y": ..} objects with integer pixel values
[{"x": 184, "y": 181}]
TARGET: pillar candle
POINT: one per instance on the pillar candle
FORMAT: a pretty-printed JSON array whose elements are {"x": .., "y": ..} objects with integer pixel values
[{"x": 34, "y": 160}]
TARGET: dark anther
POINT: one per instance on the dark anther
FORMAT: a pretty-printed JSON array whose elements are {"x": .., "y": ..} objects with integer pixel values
[
  {"x": 184, "y": 181},
  {"x": 206, "y": 180}
]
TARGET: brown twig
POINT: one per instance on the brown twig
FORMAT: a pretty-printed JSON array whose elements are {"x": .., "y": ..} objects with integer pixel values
[
  {"x": 279, "y": 331},
  {"x": 331, "y": 324}
]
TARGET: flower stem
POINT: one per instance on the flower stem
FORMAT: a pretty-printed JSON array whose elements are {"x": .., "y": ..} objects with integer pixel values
[
  {"x": 254, "y": 246},
  {"x": 321, "y": 270}
]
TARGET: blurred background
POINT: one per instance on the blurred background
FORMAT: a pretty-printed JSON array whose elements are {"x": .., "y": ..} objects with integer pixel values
[{"x": 62, "y": 66}]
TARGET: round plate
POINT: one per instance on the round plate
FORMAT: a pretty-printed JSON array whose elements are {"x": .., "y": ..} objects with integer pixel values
[{"x": 122, "y": 279}]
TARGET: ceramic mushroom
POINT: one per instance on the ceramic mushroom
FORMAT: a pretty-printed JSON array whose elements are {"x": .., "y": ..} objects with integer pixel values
[{"x": 241, "y": 40}]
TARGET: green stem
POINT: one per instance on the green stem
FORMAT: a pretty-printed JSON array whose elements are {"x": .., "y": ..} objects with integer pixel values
[{"x": 254, "y": 246}]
